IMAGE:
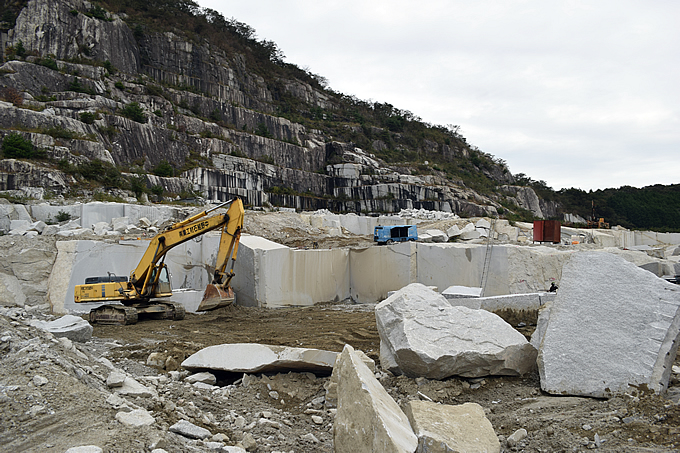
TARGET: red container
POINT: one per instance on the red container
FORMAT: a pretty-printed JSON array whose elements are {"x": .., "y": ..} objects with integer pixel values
[{"x": 547, "y": 231}]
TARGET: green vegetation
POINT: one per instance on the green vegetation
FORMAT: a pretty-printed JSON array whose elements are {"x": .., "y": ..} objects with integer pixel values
[
  {"x": 48, "y": 62},
  {"x": 163, "y": 169},
  {"x": 78, "y": 87},
  {"x": 135, "y": 112},
  {"x": 88, "y": 117},
  {"x": 14, "y": 146},
  {"x": 63, "y": 216},
  {"x": 655, "y": 208}
]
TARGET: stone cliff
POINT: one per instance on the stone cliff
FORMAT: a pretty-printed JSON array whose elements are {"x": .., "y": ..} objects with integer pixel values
[{"x": 75, "y": 73}]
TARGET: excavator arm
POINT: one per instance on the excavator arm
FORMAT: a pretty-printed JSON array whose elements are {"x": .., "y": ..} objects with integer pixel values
[
  {"x": 219, "y": 293},
  {"x": 144, "y": 278}
]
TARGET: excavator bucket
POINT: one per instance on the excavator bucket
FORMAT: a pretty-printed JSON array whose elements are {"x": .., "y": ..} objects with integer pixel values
[{"x": 216, "y": 296}]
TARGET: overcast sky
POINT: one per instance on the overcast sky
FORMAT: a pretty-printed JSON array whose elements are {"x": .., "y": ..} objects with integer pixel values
[{"x": 576, "y": 93}]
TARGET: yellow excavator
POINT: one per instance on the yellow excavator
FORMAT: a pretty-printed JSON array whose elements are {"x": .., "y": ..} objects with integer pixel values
[{"x": 151, "y": 280}]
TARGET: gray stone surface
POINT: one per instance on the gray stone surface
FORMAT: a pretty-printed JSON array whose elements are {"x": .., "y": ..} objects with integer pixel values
[
  {"x": 612, "y": 326},
  {"x": 437, "y": 235},
  {"x": 72, "y": 327},
  {"x": 85, "y": 449},
  {"x": 259, "y": 358},
  {"x": 443, "y": 429},
  {"x": 461, "y": 292},
  {"x": 541, "y": 325},
  {"x": 135, "y": 418},
  {"x": 331, "y": 385},
  {"x": 131, "y": 387},
  {"x": 11, "y": 293},
  {"x": 430, "y": 338},
  {"x": 205, "y": 377},
  {"x": 115, "y": 379},
  {"x": 453, "y": 231},
  {"x": 188, "y": 429},
  {"x": 368, "y": 419}
]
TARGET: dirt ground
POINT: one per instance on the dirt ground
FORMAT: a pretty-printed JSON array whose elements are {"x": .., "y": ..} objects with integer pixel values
[
  {"x": 633, "y": 423},
  {"x": 72, "y": 406}
]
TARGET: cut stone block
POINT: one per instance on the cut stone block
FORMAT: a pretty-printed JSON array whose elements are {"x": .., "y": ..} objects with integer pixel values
[
  {"x": 19, "y": 225},
  {"x": 453, "y": 231},
  {"x": 368, "y": 419},
  {"x": 101, "y": 228},
  {"x": 38, "y": 226},
  {"x": 260, "y": 358},
  {"x": 120, "y": 224},
  {"x": 442, "y": 428},
  {"x": 483, "y": 223},
  {"x": 460, "y": 292},
  {"x": 68, "y": 326},
  {"x": 612, "y": 326},
  {"x": 50, "y": 230},
  {"x": 430, "y": 338},
  {"x": 541, "y": 325}
]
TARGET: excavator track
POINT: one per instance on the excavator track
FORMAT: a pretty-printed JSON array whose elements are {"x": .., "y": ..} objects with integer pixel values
[
  {"x": 176, "y": 310},
  {"x": 113, "y": 314}
]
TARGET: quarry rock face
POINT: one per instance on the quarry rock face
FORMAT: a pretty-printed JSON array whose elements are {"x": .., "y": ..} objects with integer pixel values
[
  {"x": 259, "y": 358},
  {"x": 612, "y": 326},
  {"x": 443, "y": 428},
  {"x": 368, "y": 419},
  {"x": 221, "y": 86},
  {"x": 428, "y": 337}
]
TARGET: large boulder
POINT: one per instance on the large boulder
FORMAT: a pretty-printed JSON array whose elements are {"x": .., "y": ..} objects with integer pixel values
[
  {"x": 368, "y": 419},
  {"x": 428, "y": 337},
  {"x": 443, "y": 429},
  {"x": 612, "y": 327},
  {"x": 260, "y": 358}
]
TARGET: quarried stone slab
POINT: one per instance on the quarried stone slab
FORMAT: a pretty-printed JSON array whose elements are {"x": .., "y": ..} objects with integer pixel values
[
  {"x": 72, "y": 327},
  {"x": 260, "y": 358},
  {"x": 612, "y": 326}
]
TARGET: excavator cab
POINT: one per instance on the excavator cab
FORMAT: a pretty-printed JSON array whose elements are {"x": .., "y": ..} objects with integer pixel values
[{"x": 163, "y": 287}]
